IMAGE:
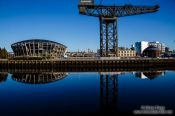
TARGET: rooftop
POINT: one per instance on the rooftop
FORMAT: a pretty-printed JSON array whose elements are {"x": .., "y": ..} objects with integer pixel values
[{"x": 38, "y": 40}]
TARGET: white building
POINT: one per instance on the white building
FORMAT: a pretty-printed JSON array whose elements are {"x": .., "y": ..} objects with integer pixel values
[{"x": 140, "y": 47}]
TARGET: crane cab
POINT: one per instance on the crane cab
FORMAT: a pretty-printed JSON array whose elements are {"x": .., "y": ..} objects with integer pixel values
[
  {"x": 83, "y": 4},
  {"x": 86, "y": 2}
]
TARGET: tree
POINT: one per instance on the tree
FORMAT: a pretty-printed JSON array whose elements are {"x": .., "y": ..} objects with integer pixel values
[{"x": 3, "y": 53}]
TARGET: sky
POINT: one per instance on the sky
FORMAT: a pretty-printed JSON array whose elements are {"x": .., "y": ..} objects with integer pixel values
[{"x": 60, "y": 21}]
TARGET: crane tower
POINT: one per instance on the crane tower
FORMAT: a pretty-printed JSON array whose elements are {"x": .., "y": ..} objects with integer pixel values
[{"x": 108, "y": 16}]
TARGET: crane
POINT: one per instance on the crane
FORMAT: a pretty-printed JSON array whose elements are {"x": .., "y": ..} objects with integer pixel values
[{"x": 108, "y": 16}]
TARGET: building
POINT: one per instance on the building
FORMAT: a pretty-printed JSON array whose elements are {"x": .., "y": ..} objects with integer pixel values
[
  {"x": 151, "y": 52},
  {"x": 10, "y": 55},
  {"x": 140, "y": 46},
  {"x": 122, "y": 52},
  {"x": 88, "y": 54},
  {"x": 38, "y": 48},
  {"x": 126, "y": 53},
  {"x": 160, "y": 46}
]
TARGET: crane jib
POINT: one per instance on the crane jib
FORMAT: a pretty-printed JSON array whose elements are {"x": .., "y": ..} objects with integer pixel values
[{"x": 108, "y": 21}]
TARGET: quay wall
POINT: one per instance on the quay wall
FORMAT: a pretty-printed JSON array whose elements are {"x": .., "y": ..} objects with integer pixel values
[{"x": 92, "y": 64}]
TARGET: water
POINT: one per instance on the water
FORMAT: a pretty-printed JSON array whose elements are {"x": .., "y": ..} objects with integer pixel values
[{"x": 86, "y": 93}]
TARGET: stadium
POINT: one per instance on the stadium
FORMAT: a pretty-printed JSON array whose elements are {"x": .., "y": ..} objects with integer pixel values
[{"x": 38, "y": 48}]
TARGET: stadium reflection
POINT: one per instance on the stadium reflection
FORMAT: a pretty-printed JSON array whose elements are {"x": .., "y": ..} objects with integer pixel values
[{"x": 38, "y": 78}]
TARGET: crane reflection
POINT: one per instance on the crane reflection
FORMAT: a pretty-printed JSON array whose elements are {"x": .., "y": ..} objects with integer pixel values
[{"x": 109, "y": 88}]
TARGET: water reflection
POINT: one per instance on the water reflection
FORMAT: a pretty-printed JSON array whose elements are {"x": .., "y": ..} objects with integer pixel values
[
  {"x": 38, "y": 78},
  {"x": 3, "y": 76},
  {"x": 109, "y": 94},
  {"x": 149, "y": 74},
  {"x": 109, "y": 88}
]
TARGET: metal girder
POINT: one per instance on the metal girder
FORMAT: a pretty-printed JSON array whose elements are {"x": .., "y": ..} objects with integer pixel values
[
  {"x": 115, "y": 11},
  {"x": 108, "y": 36}
]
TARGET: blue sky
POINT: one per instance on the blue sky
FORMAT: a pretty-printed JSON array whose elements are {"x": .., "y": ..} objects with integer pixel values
[{"x": 59, "y": 20}]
